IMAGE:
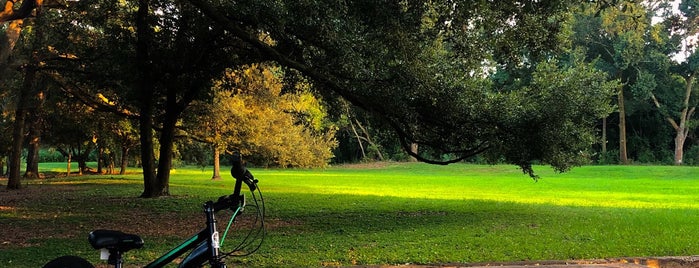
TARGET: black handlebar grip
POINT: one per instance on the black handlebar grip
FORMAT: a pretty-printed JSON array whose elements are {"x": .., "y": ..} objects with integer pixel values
[{"x": 240, "y": 172}]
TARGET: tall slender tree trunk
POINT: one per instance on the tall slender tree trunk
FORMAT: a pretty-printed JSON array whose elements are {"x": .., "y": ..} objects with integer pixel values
[
  {"x": 145, "y": 85},
  {"x": 14, "y": 178},
  {"x": 124, "y": 159},
  {"x": 2, "y": 165},
  {"x": 359, "y": 140},
  {"x": 623, "y": 158},
  {"x": 69, "y": 161},
  {"x": 147, "y": 157},
  {"x": 367, "y": 137},
  {"x": 604, "y": 135},
  {"x": 35, "y": 126},
  {"x": 100, "y": 159},
  {"x": 217, "y": 163}
]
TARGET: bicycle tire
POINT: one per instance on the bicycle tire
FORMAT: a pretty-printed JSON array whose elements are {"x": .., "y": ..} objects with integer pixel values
[{"x": 68, "y": 262}]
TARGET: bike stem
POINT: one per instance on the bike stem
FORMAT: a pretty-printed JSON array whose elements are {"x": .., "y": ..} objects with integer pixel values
[{"x": 213, "y": 239}]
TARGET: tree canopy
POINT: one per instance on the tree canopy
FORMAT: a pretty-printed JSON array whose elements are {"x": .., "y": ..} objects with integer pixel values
[
  {"x": 502, "y": 79},
  {"x": 424, "y": 67}
]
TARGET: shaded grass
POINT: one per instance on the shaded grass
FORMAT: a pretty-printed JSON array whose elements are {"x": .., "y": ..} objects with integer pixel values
[{"x": 392, "y": 214}]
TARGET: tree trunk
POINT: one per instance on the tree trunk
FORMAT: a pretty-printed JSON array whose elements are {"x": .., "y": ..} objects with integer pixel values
[
  {"x": 82, "y": 164},
  {"x": 69, "y": 160},
  {"x": 623, "y": 158},
  {"x": 167, "y": 140},
  {"x": 13, "y": 181},
  {"x": 2, "y": 166},
  {"x": 359, "y": 140},
  {"x": 110, "y": 163},
  {"x": 686, "y": 115},
  {"x": 604, "y": 134},
  {"x": 124, "y": 159},
  {"x": 679, "y": 145},
  {"x": 35, "y": 125},
  {"x": 681, "y": 129},
  {"x": 100, "y": 159},
  {"x": 32, "y": 169},
  {"x": 217, "y": 164},
  {"x": 145, "y": 86},
  {"x": 413, "y": 149},
  {"x": 367, "y": 137}
]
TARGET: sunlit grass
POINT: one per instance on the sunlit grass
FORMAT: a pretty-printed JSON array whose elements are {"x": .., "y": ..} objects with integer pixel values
[
  {"x": 397, "y": 213},
  {"x": 636, "y": 187}
]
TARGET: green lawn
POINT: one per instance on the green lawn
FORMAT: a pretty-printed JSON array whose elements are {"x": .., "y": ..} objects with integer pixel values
[{"x": 385, "y": 214}]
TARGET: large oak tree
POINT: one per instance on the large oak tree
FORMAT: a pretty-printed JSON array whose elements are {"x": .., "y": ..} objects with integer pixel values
[{"x": 424, "y": 67}]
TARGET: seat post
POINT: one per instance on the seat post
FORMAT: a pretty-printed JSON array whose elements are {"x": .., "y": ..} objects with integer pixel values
[{"x": 115, "y": 258}]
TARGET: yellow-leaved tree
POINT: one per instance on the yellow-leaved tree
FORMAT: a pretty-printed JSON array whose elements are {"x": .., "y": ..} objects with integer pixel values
[{"x": 250, "y": 112}]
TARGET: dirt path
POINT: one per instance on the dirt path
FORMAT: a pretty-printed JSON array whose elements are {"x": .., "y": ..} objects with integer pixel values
[{"x": 640, "y": 262}]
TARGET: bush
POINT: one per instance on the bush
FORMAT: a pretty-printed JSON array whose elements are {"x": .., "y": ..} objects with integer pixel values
[
  {"x": 50, "y": 155},
  {"x": 691, "y": 156},
  {"x": 610, "y": 157},
  {"x": 646, "y": 157}
]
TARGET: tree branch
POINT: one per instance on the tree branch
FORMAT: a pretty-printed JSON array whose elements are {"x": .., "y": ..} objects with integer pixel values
[
  {"x": 9, "y": 13},
  {"x": 82, "y": 96},
  {"x": 667, "y": 117}
]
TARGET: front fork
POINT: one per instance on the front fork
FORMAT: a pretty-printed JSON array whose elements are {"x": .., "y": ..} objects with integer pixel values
[{"x": 213, "y": 239}]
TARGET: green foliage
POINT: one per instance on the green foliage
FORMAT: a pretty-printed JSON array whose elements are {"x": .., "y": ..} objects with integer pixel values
[
  {"x": 691, "y": 156},
  {"x": 50, "y": 155},
  {"x": 610, "y": 157},
  {"x": 559, "y": 100},
  {"x": 423, "y": 67},
  {"x": 644, "y": 86}
]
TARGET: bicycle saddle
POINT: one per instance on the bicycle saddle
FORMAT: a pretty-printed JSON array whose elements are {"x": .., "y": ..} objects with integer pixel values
[{"x": 114, "y": 240}]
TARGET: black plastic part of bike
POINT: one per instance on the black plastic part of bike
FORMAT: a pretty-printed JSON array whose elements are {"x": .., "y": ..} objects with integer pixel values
[
  {"x": 228, "y": 202},
  {"x": 196, "y": 257},
  {"x": 214, "y": 258},
  {"x": 68, "y": 262},
  {"x": 114, "y": 240},
  {"x": 241, "y": 173}
]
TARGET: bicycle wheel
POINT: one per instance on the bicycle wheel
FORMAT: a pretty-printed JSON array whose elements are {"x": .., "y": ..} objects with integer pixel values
[{"x": 69, "y": 262}]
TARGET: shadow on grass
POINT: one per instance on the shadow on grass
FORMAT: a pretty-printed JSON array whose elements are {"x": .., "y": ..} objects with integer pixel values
[{"x": 321, "y": 229}]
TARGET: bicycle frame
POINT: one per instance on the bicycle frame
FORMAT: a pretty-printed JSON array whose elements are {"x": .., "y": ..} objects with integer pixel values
[{"x": 209, "y": 235}]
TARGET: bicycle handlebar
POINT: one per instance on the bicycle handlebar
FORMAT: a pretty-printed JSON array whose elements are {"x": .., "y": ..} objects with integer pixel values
[{"x": 241, "y": 173}]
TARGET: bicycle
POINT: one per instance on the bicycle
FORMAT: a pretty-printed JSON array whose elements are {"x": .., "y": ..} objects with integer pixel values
[{"x": 203, "y": 247}]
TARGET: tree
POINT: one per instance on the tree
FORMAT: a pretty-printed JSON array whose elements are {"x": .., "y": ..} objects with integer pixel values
[
  {"x": 74, "y": 127},
  {"x": 23, "y": 101},
  {"x": 668, "y": 84},
  {"x": 359, "y": 133},
  {"x": 249, "y": 113},
  {"x": 420, "y": 66},
  {"x": 424, "y": 67},
  {"x": 683, "y": 125},
  {"x": 615, "y": 35},
  {"x": 177, "y": 64}
]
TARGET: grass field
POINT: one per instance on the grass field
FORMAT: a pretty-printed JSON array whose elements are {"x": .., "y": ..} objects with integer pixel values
[{"x": 387, "y": 213}]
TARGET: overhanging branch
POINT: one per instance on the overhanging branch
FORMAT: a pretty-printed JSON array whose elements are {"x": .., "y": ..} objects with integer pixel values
[
  {"x": 9, "y": 13},
  {"x": 82, "y": 96}
]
